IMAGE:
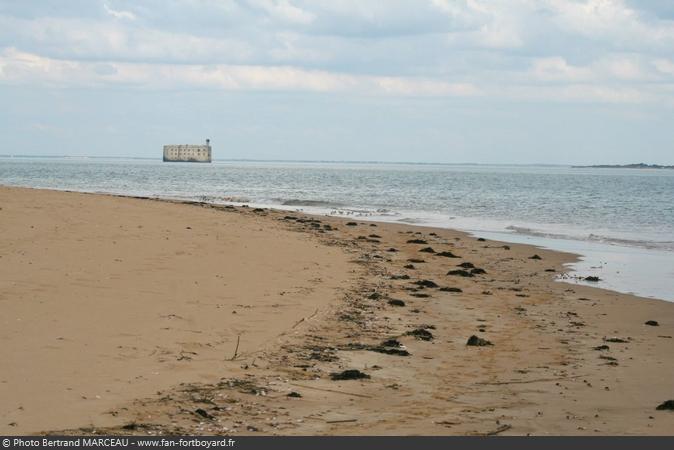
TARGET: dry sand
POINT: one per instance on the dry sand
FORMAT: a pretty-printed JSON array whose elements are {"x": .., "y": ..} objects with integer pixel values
[{"x": 121, "y": 315}]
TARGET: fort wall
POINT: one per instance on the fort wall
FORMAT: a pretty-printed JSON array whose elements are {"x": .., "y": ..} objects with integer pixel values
[{"x": 187, "y": 153}]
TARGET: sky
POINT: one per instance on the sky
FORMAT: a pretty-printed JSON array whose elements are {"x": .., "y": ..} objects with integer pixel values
[{"x": 452, "y": 81}]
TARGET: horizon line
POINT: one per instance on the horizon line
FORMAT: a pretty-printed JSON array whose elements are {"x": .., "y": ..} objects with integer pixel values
[{"x": 328, "y": 161}]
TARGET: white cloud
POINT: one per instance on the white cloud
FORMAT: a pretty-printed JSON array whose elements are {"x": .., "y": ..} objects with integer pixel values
[
  {"x": 665, "y": 66},
  {"x": 611, "y": 68},
  {"x": 557, "y": 69},
  {"x": 499, "y": 35},
  {"x": 613, "y": 21},
  {"x": 600, "y": 50},
  {"x": 623, "y": 68},
  {"x": 494, "y": 24},
  {"x": 72, "y": 38},
  {"x": 284, "y": 10},
  {"x": 127, "y": 15},
  {"x": 290, "y": 47},
  {"x": 25, "y": 68}
]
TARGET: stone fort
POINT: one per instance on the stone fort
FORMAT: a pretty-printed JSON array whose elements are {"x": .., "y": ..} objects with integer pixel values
[{"x": 188, "y": 153}]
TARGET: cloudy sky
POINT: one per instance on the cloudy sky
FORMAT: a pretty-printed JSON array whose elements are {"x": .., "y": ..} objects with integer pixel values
[{"x": 503, "y": 81}]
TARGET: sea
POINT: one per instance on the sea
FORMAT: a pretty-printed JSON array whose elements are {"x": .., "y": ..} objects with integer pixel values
[{"x": 620, "y": 221}]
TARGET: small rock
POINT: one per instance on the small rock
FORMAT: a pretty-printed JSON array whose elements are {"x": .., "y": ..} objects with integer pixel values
[
  {"x": 391, "y": 343},
  {"x": 421, "y": 333},
  {"x": 447, "y": 255},
  {"x": 351, "y": 224},
  {"x": 392, "y": 250},
  {"x": 400, "y": 277},
  {"x": 416, "y": 260},
  {"x": 426, "y": 283},
  {"x": 409, "y": 266},
  {"x": 601, "y": 347},
  {"x": 460, "y": 273},
  {"x": 667, "y": 405},
  {"x": 349, "y": 374},
  {"x": 478, "y": 271},
  {"x": 466, "y": 265},
  {"x": 390, "y": 351},
  {"x": 417, "y": 241},
  {"x": 653, "y": 323},
  {"x": 294, "y": 394},
  {"x": 535, "y": 257},
  {"x": 427, "y": 250},
  {"x": 592, "y": 278},
  {"x": 450, "y": 289},
  {"x": 396, "y": 302},
  {"x": 477, "y": 341},
  {"x": 481, "y": 239},
  {"x": 616, "y": 340},
  {"x": 203, "y": 413}
]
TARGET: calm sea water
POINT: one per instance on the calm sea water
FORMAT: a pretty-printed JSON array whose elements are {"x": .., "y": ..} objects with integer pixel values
[{"x": 620, "y": 220}]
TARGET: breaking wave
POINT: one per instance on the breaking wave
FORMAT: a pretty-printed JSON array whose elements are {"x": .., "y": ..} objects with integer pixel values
[
  {"x": 312, "y": 203},
  {"x": 655, "y": 245}
]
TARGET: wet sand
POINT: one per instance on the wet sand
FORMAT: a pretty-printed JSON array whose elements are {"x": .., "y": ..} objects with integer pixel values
[{"x": 121, "y": 316}]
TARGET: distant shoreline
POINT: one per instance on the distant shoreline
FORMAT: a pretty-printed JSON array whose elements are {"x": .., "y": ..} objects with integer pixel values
[
  {"x": 624, "y": 166},
  {"x": 373, "y": 162}
]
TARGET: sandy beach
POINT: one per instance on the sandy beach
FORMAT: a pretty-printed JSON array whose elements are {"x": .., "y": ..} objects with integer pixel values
[{"x": 139, "y": 316}]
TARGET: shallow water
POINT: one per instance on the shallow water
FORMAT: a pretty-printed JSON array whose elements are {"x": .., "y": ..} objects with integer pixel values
[{"x": 621, "y": 220}]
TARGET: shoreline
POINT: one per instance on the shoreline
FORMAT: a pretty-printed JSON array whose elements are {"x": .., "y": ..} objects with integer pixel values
[
  {"x": 610, "y": 246},
  {"x": 603, "y": 260},
  {"x": 542, "y": 374},
  {"x": 604, "y": 253}
]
